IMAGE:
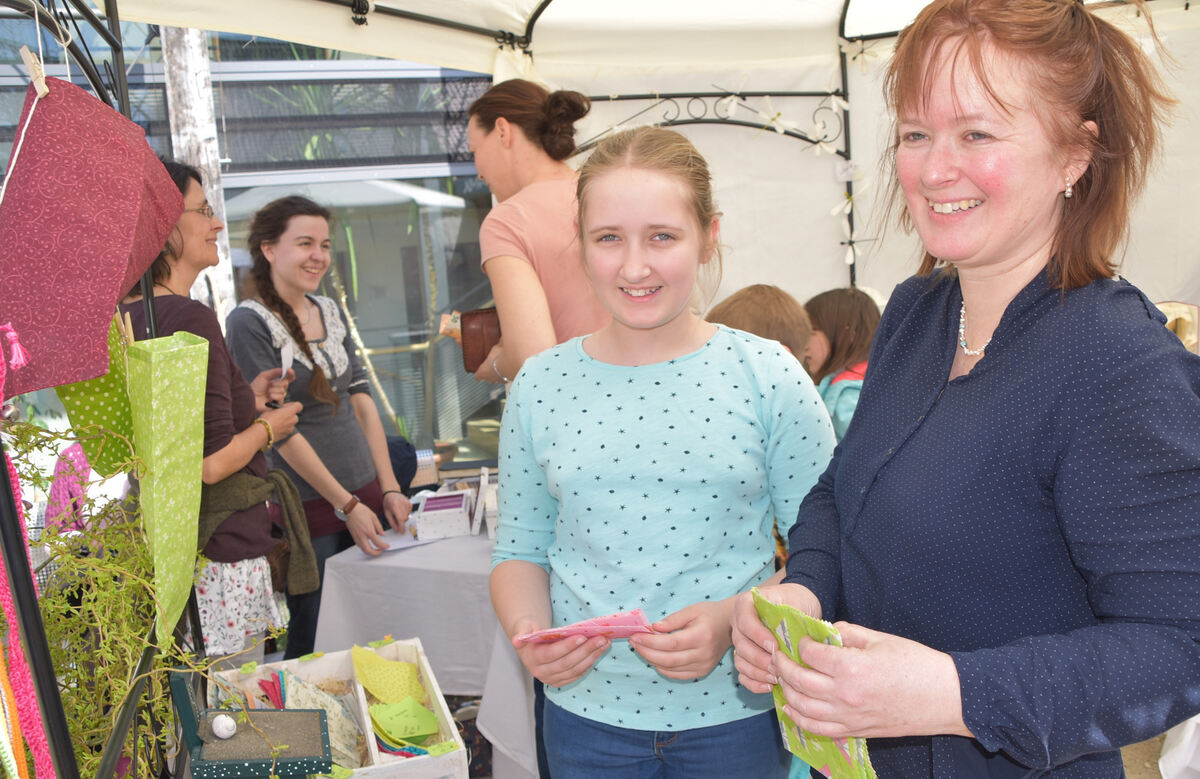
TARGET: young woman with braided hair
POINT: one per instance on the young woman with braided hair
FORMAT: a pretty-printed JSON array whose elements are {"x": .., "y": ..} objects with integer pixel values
[{"x": 338, "y": 455}]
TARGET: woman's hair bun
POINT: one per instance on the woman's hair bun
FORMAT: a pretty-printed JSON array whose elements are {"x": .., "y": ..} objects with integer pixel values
[{"x": 563, "y": 108}]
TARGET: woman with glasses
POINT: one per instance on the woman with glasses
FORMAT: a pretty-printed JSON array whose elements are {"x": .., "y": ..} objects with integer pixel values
[{"x": 234, "y": 591}]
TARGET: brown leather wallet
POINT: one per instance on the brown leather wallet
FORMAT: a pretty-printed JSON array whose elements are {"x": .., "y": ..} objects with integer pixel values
[{"x": 480, "y": 332}]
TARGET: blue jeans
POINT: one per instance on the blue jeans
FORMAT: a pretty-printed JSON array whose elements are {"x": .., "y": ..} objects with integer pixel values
[
  {"x": 302, "y": 624},
  {"x": 580, "y": 747}
]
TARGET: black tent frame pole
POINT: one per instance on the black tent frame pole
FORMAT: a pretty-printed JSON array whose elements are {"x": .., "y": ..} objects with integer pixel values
[{"x": 121, "y": 87}]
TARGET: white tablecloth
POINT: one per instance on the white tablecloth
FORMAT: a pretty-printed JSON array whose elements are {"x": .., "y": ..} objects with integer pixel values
[
  {"x": 506, "y": 713},
  {"x": 438, "y": 592}
]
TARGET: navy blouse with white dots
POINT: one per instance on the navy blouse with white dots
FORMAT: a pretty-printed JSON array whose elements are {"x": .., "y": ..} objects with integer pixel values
[{"x": 1037, "y": 518}]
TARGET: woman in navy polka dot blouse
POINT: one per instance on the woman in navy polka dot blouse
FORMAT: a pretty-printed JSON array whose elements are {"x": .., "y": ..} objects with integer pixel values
[
  {"x": 642, "y": 468},
  {"x": 1010, "y": 529}
]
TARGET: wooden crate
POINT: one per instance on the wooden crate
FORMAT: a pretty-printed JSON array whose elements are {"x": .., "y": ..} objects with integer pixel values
[{"x": 338, "y": 665}]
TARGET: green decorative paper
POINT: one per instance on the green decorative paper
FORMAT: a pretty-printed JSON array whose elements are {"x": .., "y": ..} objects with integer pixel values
[
  {"x": 390, "y": 681},
  {"x": 441, "y": 747},
  {"x": 166, "y": 397},
  {"x": 407, "y": 720},
  {"x": 839, "y": 758},
  {"x": 104, "y": 403}
]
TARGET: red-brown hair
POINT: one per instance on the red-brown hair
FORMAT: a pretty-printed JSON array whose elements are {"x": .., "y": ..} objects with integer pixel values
[{"x": 1081, "y": 69}]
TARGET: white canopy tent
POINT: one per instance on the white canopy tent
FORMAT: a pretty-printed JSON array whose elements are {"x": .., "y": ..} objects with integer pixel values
[{"x": 784, "y": 199}]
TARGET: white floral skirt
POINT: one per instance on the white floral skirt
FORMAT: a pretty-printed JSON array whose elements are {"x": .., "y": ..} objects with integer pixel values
[{"x": 236, "y": 600}]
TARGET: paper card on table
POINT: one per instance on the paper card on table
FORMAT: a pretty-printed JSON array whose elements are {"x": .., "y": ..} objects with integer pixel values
[
  {"x": 613, "y": 626},
  {"x": 491, "y": 509},
  {"x": 407, "y": 720},
  {"x": 390, "y": 681},
  {"x": 397, "y": 542},
  {"x": 838, "y": 758},
  {"x": 477, "y": 516}
]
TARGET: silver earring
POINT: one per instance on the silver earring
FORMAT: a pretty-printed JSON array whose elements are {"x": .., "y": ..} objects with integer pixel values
[{"x": 1069, "y": 191}]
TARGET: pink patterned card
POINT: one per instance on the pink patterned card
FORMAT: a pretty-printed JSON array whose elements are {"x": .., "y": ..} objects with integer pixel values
[{"x": 613, "y": 626}]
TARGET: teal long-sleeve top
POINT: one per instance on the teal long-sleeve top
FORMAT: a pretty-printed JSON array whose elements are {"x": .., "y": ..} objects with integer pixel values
[{"x": 656, "y": 487}]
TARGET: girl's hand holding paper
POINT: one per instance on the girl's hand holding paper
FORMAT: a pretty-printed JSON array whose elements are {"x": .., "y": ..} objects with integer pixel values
[
  {"x": 689, "y": 643},
  {"x": 622, "y": 625},
  {"x": 557, "y": 661}
]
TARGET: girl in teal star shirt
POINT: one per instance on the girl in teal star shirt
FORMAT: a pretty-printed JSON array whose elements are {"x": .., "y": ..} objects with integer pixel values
[{"x": 642, "y": 467}]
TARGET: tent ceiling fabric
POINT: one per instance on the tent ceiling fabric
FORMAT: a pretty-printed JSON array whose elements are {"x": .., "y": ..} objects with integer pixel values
[
  {"x": 627, "y": 34},
  {"x": 329, "y": 25},
  {"x": 870, "y": 18}
]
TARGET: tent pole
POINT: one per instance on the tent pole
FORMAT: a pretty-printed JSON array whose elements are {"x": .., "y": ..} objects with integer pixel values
[
  {"x": 120, "y": 86},
  {"x": 849, "y": 158},
  {"x": 120, "y": 83},
  {"x": 33, "y": 633}
]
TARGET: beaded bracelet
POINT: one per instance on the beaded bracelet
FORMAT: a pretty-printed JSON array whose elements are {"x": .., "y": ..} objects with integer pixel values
[{"x": 270, "y": 433}]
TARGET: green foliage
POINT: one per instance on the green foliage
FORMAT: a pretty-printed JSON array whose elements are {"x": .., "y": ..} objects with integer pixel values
[{"x": 98, "y": 610}]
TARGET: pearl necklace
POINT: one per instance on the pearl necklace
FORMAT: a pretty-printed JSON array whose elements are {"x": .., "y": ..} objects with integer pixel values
[{"x": 962, "y": 334}]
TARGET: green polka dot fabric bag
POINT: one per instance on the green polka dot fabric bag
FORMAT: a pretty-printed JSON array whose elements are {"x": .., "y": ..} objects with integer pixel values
[
  {"x": 166, "y": 397},
  {"x": 99, "y": 412}
]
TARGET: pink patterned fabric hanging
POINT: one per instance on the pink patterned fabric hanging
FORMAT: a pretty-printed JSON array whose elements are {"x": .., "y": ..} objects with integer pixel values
[
  {"x": 87, "y": 207},
  {"x": 22, "y": 680}
]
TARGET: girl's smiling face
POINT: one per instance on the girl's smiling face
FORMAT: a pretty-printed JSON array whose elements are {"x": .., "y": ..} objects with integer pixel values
[
  {"x": 643, "y": 247},
  {"x": 983, "y": 181},
  {"x": 300, "y": 258}
]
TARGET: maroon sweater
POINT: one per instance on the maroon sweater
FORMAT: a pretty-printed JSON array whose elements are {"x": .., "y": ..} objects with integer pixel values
[{"x": 228, "y": 410}]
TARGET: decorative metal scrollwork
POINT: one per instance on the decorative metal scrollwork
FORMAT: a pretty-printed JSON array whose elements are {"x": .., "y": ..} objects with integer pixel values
[{"x": 736, "y": 109}]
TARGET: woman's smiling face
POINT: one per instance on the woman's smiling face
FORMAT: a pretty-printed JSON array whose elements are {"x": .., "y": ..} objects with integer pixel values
[{"x": 982, "y": 181}]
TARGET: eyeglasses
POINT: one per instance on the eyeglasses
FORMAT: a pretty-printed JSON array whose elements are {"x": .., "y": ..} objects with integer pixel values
[{"x": 205, "y": 209}]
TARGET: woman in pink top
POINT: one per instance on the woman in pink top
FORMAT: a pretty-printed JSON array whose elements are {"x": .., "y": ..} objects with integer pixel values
[{"x": 520, "y": 135}]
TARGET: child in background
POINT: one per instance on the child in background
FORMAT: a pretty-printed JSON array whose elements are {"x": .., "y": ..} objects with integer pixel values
[
  {"x": 644, "y": 466},
  {"x": 843, "y": 322},
  {"x": 768, "y": 312}
]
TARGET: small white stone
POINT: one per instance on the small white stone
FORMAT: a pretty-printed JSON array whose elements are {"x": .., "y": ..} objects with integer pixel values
[{"x": 223, "y": 726}]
